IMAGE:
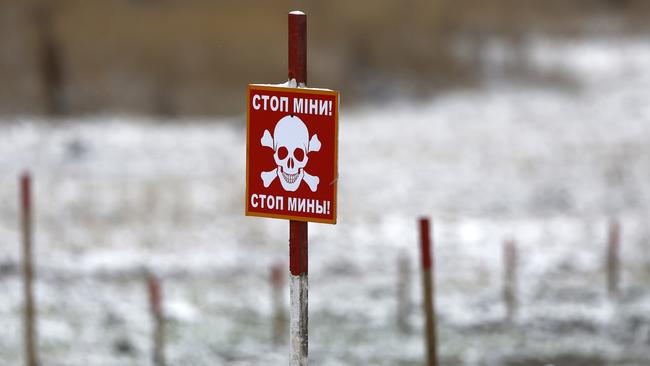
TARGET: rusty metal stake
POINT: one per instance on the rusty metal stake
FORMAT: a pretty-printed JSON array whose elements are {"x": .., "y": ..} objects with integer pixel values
[
  {"x": 428, "y": 293},
  {"x": 31, "y": 358}
]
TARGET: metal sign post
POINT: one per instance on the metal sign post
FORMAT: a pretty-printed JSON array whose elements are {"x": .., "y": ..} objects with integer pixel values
[
  {"x": 298, "y": 241},
  {"x": 292, "y": 165}
]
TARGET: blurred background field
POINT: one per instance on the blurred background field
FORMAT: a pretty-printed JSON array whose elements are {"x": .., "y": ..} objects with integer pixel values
[
  {"x": 500, "y": 119},
  {"x": 194, "y": 57}
]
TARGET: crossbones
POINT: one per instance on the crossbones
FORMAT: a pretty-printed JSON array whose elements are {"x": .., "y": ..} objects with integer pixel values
[{"x": 291, "y": 145}]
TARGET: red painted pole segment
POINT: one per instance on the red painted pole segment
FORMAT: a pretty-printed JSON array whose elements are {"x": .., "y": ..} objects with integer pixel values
[
  {"x": 428, "y": 293},
  {"x": 276, "y": 276},
  {"x": 31, "y": 358},
  {"x": 154, "y": 294},
  {"x": 298, "y": 241},
  {"x": 425, "y": 242},
  {"x": 25, "y": 193},
  {"x": 298, "y": 248},
  {"x": 298, "y": 47}
]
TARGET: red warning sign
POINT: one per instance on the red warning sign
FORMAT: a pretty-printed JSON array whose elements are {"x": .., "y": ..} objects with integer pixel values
[{"x": 292, "y": 153}]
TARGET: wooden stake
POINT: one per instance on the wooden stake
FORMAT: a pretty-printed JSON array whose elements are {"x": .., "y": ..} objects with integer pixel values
[
  {"x": 298, "y": 242},
  {"x": 155, "y": 303},
  {"x": 510, "y": 278},
  {"x": 31, "y": 358},
  {"x": 613, "y": 265},
  {"x": 428, "y": 293},
  {"x": 403, "y": 293}
]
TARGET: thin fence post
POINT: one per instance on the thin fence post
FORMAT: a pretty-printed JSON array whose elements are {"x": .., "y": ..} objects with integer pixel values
[
  {"x": 298, "y": 238},
  {"x": 403, "y": 293},
  {"x": 31, "y": 358},
  {"x": 277, "y": 293},
  {"x": 155, "y": 306},
  {"x": 510, "y": 278},
  {"x": 428, "y": 295},
  {"x": 613, "y": 263}
]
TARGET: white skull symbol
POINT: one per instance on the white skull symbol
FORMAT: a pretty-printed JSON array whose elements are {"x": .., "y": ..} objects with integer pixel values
[
  {"x": 291, "y": 140},
  {"x": 291, "y": 144}
]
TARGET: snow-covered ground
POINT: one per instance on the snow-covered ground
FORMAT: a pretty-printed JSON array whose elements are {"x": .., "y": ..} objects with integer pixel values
[{"x": 117, "y": 196}]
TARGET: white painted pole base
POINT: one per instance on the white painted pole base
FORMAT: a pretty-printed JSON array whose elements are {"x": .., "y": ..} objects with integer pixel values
[{"x": 299, "y": 288}]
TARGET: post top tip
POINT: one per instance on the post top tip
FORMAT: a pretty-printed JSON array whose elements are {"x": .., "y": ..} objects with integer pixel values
[{"x": 296, "y": 12}]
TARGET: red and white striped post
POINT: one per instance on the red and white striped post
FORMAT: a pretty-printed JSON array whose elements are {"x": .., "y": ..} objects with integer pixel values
[
  {"x": 155, "y": 306},
  {"x": 428, "y": 295},
  {"x": 510, "y": 278},
  {"x": 31, "y": 358},
  {"x": 298, "y": 243},
  {"x": 613, "y": 265}
]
